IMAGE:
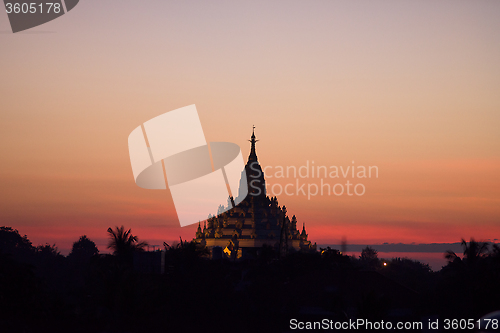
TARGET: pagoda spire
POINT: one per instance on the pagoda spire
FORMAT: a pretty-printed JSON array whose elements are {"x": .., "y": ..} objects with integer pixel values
[
  {"x": 199, "y": 234},
  {"x": 253, "y": 154},
  {"x": 303, "y": 234}
]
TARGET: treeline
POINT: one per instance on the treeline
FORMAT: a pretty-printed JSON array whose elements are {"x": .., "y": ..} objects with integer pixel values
[{"x": 43, "y": 291}]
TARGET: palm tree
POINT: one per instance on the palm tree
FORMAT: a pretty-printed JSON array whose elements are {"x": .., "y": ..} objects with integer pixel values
[
  {"x": 473, "y": 252},
  {"x": 468, "y": 280},
  {"x": 124, "y": 243}
]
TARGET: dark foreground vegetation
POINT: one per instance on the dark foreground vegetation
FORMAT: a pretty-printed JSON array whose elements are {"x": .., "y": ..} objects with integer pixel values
[{"x": 43, "y": 291}]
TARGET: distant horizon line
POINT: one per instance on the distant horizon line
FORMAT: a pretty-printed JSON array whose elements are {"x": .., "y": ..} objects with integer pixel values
[{"x": 404, "y": 247}]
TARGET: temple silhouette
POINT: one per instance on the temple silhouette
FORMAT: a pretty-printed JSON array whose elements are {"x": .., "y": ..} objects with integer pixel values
[{"x": 257, "y": 221}]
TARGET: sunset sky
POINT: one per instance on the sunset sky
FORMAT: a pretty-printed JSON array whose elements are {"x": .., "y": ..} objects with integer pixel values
[{"x": 410, "y": 87}]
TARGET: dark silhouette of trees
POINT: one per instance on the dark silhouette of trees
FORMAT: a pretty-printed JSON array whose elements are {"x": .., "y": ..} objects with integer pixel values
[
  {"x": 369, "y": 258},
  {"x": 329, "y": 252},
  {"x": 47, "y": 251},
  {"x": 369, "y": 254},
  {"x": 410, "y": 273},
  {"x": 469, "y": 285},
  {"x": 15, "y": 245},
  {"x": 123, "y": 243},
  {"x": 185, "y": 252},
  {"x": 21, "y": 298},
  {"x": 44, "y": 291},
  {"x": 473, "y": 252},
  {"x": 50, "y": 266},
  {"x": 334, "y": 258},
  {"x": 83, "y": 250}
]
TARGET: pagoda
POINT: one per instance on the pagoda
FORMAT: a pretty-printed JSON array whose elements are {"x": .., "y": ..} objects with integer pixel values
[{"x": 257, "y": 221}]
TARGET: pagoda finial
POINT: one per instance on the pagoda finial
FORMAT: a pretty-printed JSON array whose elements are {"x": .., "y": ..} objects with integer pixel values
[{"x": 253, "y": 154}]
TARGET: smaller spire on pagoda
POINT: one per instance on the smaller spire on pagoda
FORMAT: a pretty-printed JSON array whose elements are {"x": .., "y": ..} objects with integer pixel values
[
  {"x": 199, "y": 234},
  {"x": 303, "y": 234}
]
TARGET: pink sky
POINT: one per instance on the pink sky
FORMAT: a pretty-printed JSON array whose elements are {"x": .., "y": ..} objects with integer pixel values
[{"x": 409, "y": 87}]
